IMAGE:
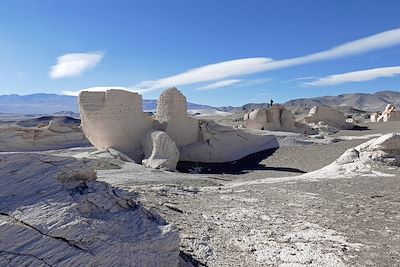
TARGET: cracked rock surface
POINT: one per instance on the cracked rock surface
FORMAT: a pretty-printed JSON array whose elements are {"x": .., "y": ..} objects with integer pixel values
[{"x": 53, "y": 212}]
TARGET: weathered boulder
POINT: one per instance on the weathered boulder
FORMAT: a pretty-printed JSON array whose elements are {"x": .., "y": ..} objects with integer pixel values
[
  {"x": 389, "y": 114},
  {"x": 223, "y": 144},
  {"x": 275, "y": 118},
  {"x": 327, "y": 116},
  {"x": 14, "y": 138},
  {"x": 172, "y": 114},
  {"x": 53, "y": 212},
  {"x": 115, "y": 119},
  {"x": 160, "y": 151},
  {"x": 362, "y": 159}
]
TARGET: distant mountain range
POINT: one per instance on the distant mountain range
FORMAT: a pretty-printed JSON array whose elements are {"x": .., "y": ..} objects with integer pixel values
[
  {"x": 58, "y": 104},
  {"x": 68, "y": 105},
  {"x": 368, "y": 102}
]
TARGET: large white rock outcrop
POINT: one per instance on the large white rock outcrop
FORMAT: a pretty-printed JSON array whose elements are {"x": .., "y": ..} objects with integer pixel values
[
  {"x": 327, "y": 116},
  {"x": 54, "y": 213},
  {"x": 160, "y": 151},
  {"x": 275, "y": 118},
  {"x": 115, "y": 119},
  {"x": 49, "y": 137},
  {"x": 389, "y": 114},
  {"x": 172, "y": 114},
  {"x": 222, "y": 144}
]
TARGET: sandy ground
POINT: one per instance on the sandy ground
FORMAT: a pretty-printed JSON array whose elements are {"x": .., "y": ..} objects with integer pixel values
[{"x": 225, "y": 220}]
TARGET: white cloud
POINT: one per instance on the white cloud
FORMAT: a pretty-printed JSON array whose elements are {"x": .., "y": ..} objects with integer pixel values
[
  {"x": 219, "y": 84},
  {"x": 212, "y": 72},
  {"x": 245, "y": 66},
  {"x": 95, "y": 89},
  {"x": 356, "y": 76},
  {"x": 254, "y": 82},
  {"x": 70, "y": 65}
]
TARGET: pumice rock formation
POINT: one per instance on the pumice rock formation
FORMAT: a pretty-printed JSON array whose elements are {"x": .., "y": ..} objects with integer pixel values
[
  {"x": 53, "y": 212},
  {"x": 363, "y": 158},
  {"x": 160, "y": 151},
  {"x": 219, "y": 143},
  {"x": 325, "y": 115},
  {"x": 52, "y": 136},
  {"x": 275, "y": 118},
  {"x": 115, "y": 119},
  {"x": 389, "y": 114},
  {"x": 172, "y": 114}
]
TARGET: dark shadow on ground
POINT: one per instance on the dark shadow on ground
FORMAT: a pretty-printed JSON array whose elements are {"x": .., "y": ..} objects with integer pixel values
[
  {"x": 188, "y": 259},
  {"x": 241, "y": 166},
  {"x": 360, "y": 128}
]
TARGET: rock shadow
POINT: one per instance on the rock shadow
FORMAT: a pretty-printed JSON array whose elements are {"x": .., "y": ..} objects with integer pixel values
[
  {"x": 360, "y": 128},
  {"x": 241, "y": 166}
]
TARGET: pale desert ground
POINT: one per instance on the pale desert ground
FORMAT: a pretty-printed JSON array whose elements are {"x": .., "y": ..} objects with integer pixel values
[{"x": 271, "y": 208}]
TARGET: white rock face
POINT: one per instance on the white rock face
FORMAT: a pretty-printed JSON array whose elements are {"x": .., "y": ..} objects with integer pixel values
[
  {"x": 362, "y": 158},
  {"x": 160, "y": 151},
  {"x": 172, "y": 114},
  {"x": 275, "y": 118},
  {"x": 38, "y": 139},
  {"x": 327, "y": 116},
  {"x": 54, "y": 213},
  {"x": 389, "y": 114},
  {"x": 115, "y": 119},
  {"x": 374, "y": 116},
  {"x": 222, "y": 144}
]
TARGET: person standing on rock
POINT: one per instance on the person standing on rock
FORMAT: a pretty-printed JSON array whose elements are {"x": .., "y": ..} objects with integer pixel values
[{"x": 272, "y": 102}]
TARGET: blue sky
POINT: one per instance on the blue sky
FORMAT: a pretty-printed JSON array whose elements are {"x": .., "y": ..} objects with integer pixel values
[{"x": 216, "y": 52}]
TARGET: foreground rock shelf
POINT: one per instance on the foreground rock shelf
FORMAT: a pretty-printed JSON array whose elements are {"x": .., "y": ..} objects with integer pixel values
[{"x": 53, "y": 212}]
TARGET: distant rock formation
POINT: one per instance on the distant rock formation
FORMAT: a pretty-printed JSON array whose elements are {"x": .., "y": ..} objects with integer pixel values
[
  {"x": 275, "y": 118},
  {"x": 53, "y": 212},
  {"x": 325, "y": 115},
  {"x": 43, "y": 137},
  {"x": 115, "y": 119},
  {"x": 374, "y": 116},
  {"x": 389, "y": 114}
]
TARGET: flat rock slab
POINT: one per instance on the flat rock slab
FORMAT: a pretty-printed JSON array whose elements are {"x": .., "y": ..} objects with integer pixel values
[{"x": 53, "y": 212}]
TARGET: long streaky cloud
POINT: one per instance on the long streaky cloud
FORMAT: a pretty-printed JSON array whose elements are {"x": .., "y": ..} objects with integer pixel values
[
  {"x": 239, "y": 67},
  {"x": 70, "y": 65},
  {"x": 356, "y": 76},
  {"x": 219, "y": 84}
]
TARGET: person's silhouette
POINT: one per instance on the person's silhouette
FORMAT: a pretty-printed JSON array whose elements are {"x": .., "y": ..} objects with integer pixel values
[{"x": 272, "y": 102}]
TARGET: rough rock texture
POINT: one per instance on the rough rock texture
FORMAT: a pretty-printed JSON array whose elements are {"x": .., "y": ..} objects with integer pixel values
[
  {"x": 48, "y": 137},
  {"x": 364, "y": 158},
  {"x": 115, "y": 119},
  {"x": 275, "y": 118},
  {"x": 160, "y": 151},
  {"x": 54, "y": 213},
  {"x": 172, "y": 114},
  {"x": 389, "y": 114},
  {"x": 222, "y": 144},
  {"x": 328, "y": 116}
]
